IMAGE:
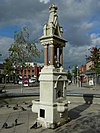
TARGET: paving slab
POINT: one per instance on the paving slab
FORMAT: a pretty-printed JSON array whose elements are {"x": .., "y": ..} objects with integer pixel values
[{"x": 83, "y": 118}]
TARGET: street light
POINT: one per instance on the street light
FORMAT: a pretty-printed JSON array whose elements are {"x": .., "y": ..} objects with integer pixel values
[{"x": 77, "y": 76}]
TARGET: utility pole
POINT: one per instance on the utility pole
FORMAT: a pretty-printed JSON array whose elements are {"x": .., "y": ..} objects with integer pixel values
[{"x": 77, "y": 76}]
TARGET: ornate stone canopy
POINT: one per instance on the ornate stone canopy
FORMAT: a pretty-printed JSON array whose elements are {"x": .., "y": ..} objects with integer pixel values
[{"x": 53, "y": 38}]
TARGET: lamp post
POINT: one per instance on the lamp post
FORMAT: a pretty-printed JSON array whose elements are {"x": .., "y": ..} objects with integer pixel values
[
  {"x": 14, "y": 74},
  {"x": 77, "y": 76},
  {"x": 22, "y": 80}
]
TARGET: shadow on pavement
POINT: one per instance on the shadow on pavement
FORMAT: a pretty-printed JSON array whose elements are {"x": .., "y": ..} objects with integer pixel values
[
  {"x": 76, "y": 112},
  {"x": 89, "y": 123}
]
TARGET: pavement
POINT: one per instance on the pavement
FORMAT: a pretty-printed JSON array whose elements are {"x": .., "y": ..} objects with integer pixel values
[
  {"x": 85, "y": 89},
  {"x": 71, "y": 89},
  {"x": 84, "y": 117}
]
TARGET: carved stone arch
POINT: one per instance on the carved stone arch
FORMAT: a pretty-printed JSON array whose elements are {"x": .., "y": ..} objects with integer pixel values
[
  {"x": 60, "y": 86},
  {"x": 56, "y": 84}
]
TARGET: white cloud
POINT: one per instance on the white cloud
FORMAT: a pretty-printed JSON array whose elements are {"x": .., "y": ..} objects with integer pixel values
[
  {"x": 75, "y": 55},
  {"x": 5, "y": 43},
  {"x": 87, "y": 25},
  {"x": 79, "y": 19},
  {"x": 95, "y": 39},
  {"x": 45, "y": 1}
]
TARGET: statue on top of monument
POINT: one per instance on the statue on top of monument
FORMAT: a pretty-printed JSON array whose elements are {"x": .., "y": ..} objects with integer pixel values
[{"x": 53, "y": 27}]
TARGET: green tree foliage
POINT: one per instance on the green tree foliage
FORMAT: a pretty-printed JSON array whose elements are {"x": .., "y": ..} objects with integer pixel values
[
  {"x": 7, "y": 67},
  {"x": 23, "y": 50},
  {"x": 69, "y": 76},
  {"x": 95, "y": 58}
]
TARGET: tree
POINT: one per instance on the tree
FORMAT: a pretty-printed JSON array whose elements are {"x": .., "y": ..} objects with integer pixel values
[
  {"x": 7, "y": 68},
  {"x": 23, "y": 50},
  {"x": 95, "y": 58},
  {"x": 69, "y": 76}
]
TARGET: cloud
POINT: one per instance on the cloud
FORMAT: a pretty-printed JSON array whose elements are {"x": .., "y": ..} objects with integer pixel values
[
  {"x": 95, "y": 39},
  {"x": 11, "y": 12},
  {"x": 80, "y": 20},
  {"x": 45, "y": 1},
  {"x": 77, "y": 17},
  {"x": 5, "y": 43},
  {"x": 75, "y": 55}
]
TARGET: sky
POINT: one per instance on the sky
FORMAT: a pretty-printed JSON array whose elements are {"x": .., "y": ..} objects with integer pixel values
[{"x": 80, "y": 20}]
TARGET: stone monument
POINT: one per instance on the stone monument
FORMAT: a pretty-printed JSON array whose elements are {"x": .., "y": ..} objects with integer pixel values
[{"x": 52, "y": 108}]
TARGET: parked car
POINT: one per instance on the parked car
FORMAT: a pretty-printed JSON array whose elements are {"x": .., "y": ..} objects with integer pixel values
[
  {"x": 32, "y": 81},
  {"x": 25, "y": 81},
  {"x": 20, "y": 82}
]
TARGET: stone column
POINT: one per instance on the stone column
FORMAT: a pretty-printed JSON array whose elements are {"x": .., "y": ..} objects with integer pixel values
[
  {"x": 55, "y": 56},
  {"x": 61, "y": 56},
  {"x": 55, "y": 51},
  {"x": 46, "y": 55},
  {"x": 51, "y": 54}
]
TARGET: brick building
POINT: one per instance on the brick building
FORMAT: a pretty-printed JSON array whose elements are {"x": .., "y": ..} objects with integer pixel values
[
  {"x": 31, "y": 70},
  {"x": 87, "y": 74}
]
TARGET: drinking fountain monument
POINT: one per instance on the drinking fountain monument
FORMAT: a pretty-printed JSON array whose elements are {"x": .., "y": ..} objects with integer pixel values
[{"x": 52, "y": 108}]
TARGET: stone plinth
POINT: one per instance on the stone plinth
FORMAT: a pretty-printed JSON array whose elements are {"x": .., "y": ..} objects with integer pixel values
[{"x": 52, "y": 108}]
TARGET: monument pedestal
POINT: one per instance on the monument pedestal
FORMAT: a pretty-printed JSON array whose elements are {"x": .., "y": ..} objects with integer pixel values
[{"x": 52, "y": 108}]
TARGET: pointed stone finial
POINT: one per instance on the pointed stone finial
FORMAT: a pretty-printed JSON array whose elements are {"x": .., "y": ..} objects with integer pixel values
[{"x": 53, "y": 8}]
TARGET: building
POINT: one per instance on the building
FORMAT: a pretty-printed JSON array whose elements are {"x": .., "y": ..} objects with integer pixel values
[
  {"x": 82, "y": 68},
  {"x": 89, "y": 65},
  {"x": 31, "y": 70},
  {"x": 88, "y": 75}
]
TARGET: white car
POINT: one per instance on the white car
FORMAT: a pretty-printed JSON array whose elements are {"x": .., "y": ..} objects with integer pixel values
[
  {"x": 33, "y": 80},
  {"x": 20, "y": 82}
]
